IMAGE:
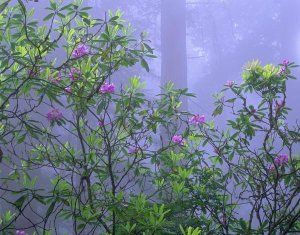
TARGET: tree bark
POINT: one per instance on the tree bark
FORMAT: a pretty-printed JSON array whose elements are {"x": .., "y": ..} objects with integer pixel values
[{"x": 173, "y": 44}]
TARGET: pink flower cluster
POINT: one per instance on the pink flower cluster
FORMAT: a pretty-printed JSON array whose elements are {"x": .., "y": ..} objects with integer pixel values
[
  {"x": 33, "y": 72},
  {"x": 101, "y": 123},
  {"x": 283, "y": 68},
  {"x": 74, "y": 74},
  {"x": 279, "y": 104},
  {"x": 178, "y": 139},
  {"x": 107, "y": 88},
  {"x": 56, "y": 80},
  {"x": 80, "y": 50},
  {"x": 68, "y": 90},
  {"x": 197, "y": 119},
  {"x": 271, "y": 168},
  {"x": 280, "y": 160},
  {"x": 285, "y": 62},
  {"x": 54, "y": 115},
  {"x": 20, "y": 232},
  {"x": 229, "y": 83}
]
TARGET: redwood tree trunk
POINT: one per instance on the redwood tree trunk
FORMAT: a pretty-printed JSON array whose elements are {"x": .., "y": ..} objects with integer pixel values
[{"x": 173, "y": 44}]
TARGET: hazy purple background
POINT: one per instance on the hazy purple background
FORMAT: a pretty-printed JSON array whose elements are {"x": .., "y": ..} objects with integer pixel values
[{"x": 200, "y": 44}]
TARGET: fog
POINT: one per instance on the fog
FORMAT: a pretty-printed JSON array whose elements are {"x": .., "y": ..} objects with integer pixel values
[
  {"x": 203, "y": 43},
  {"x": 200, "y": 44}
]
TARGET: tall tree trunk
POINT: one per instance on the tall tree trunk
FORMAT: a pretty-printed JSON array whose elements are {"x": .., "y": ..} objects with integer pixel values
[{"x": 173, "y": 44}]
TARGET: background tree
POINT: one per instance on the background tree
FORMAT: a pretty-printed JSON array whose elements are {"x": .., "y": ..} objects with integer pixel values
[{"x": 173, "y": 44}]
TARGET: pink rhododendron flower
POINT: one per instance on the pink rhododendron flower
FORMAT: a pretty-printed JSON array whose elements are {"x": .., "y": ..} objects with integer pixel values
[
  {"x": 279, "y": 104},
  {"x": 281, "y": 159},
  {"x": 178, "y": 139},
  {"x": 55, "y": 80},
  {"x": 54, "y": 115},
  {"x": 80, "y": 50},
  {"x": 285, "y": 62},
  {"x": 197, "y": 119},
  {"x": 68, "y": 90},
  {"x": 271, "y": 168},
  {"x": 74, "y": 74},
  {"x": 229, "y": 83},
  {"x": 133, "y": 150},
  {"x": 19, "y": 232},
  {"x": 107, "y": 88},
  {"x": 101, "y": 124},
  {"x": 33, "y": 72}
]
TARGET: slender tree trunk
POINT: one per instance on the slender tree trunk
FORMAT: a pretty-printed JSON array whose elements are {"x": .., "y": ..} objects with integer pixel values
[{"x": 173, "y": 44}]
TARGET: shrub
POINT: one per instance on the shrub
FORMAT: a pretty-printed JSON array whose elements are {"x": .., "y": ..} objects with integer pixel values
[{"x": 82, "y": 150}]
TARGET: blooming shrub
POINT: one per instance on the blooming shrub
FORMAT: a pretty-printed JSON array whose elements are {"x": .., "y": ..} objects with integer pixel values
[
  {"x": 74, "y": 74},
  {"x": 178, "y": 139},
  {"x": 118, "y": 172},
  {"x": 197, "y": 119},
  {"x": 281, "y": 159},
  {"x": 19, "y": 232},
  {"x": 107, "y": 88},
  {"x": 68, "y": 90},
  {"x": 54, "y": 115},
  {"x": 80, "y": 51}
]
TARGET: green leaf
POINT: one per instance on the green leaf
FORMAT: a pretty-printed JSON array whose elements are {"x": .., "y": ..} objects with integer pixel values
[
  {"x": 81, "y": 226},
  {"x": 243, "y": 224},
  {"x": 8, "y": 216},
  {"x": 86, "y": 8},
  {"x": 40, "y": 199},
  {"x": 53, "y": 5},
  {"x": 114, "y": 18},
  {"x": 294, "y": 134},
  {"x": 83, "y": 14},
  {"x": 218, "y": 110},
  {"x": 48, "y": 17},
  {"x": 50, "y": 208},
  {"x": 21, "y": 139},
  {"x": 3, "y": 6},
  {"x": 181, "y": 229},
  {"x": 86, "y": 20},
  {"x": 23, "y": 6},
  {"x": 101, "y": 106},
  {"x": 20, "y": 201},
  {"x": 67, "y": 7},
  {"x": 144, "y": 64},
  {"x": 231, "y": 100}
]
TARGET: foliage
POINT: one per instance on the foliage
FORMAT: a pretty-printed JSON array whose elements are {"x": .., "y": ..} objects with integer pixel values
[{"x": 82, "y": 150}]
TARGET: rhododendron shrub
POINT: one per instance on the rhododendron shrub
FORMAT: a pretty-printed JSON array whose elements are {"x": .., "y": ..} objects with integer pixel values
[
  {"x": 260, "y": 151},
  {"x": 82, "y": 153},
  {"x": 75, "y": 148}
]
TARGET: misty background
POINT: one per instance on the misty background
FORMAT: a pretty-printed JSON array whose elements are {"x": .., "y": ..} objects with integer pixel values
[{"x": 200, "y": 44}]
